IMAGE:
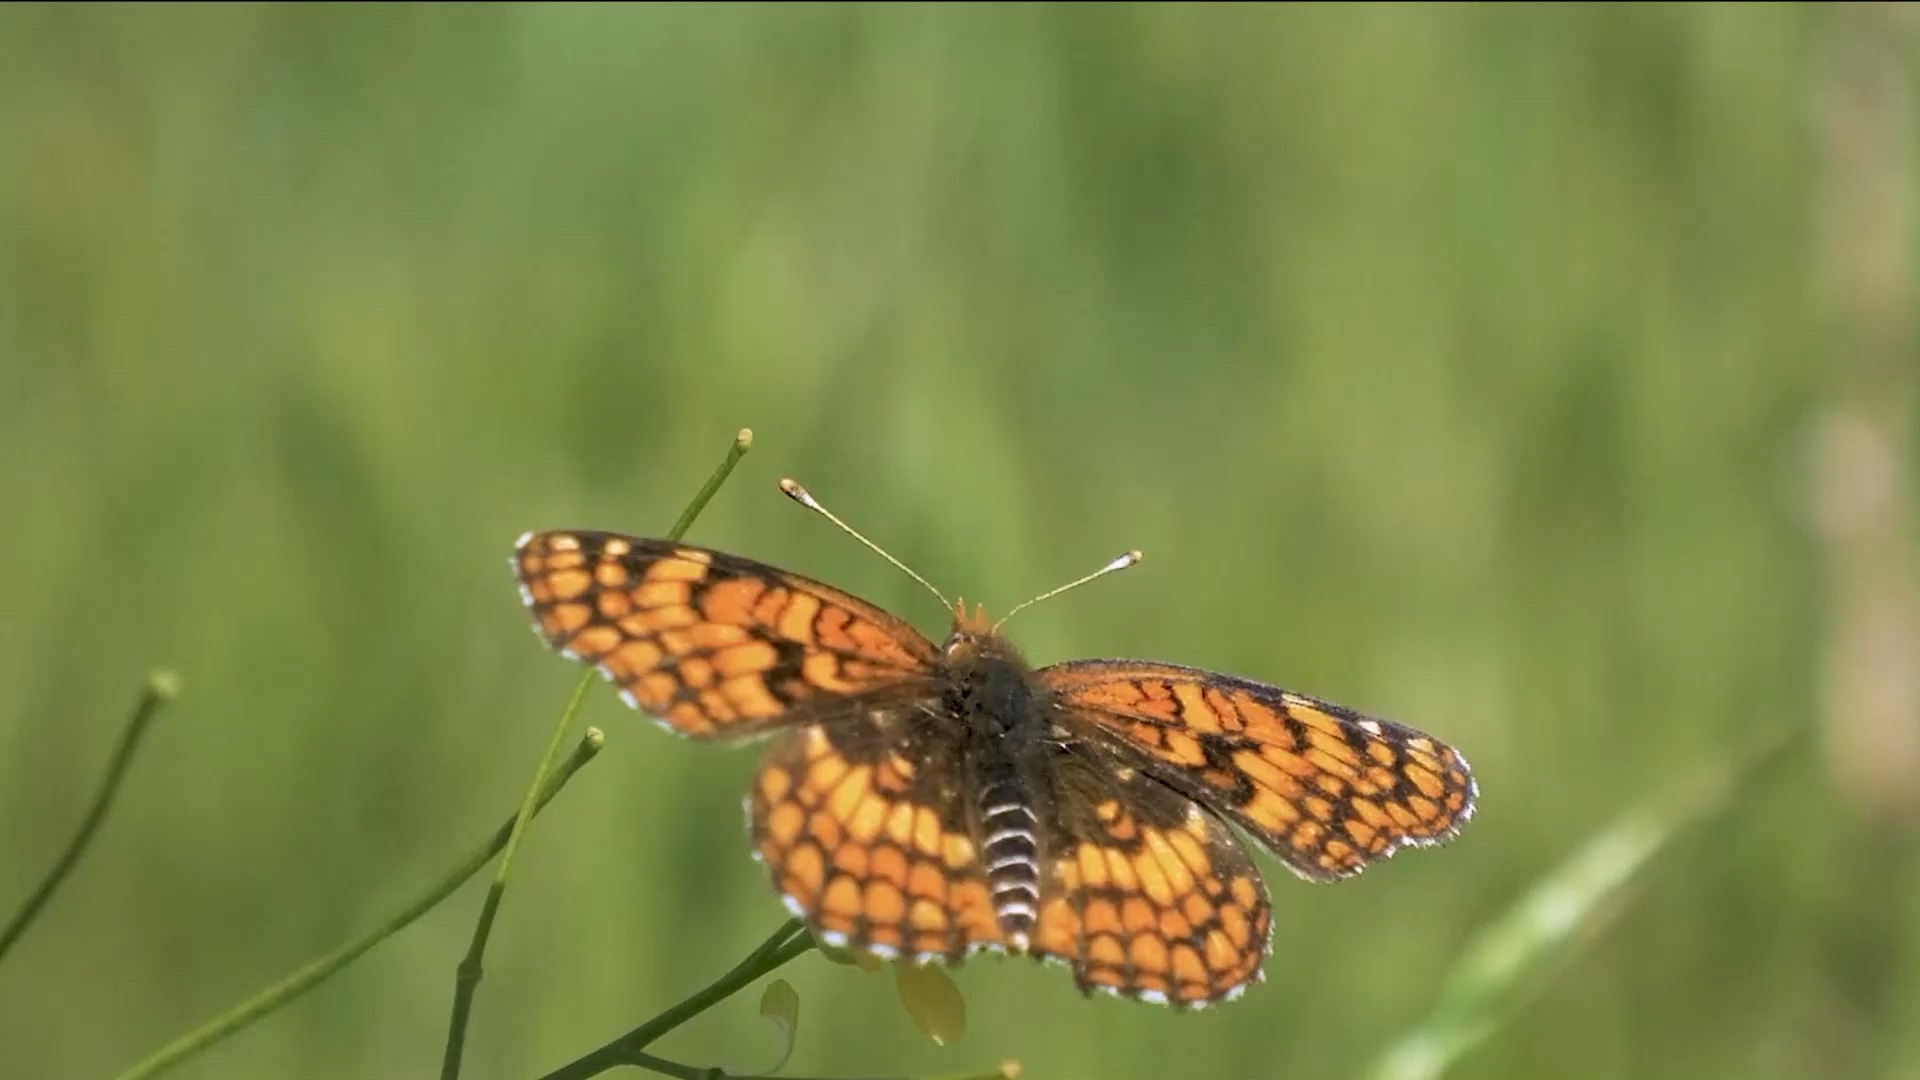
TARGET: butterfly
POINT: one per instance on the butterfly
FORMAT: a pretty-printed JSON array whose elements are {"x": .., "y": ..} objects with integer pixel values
[{"x": 928, "y": 801}]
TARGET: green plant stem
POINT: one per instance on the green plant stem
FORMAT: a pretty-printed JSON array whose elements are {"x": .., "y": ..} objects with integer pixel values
[
  {"x": 694, "y": 1072},
  {"x": 786, "y": 944},
  {"x": 162, "y": 687},
  {"x": 742, "y": 442},
  {"x": 467, "y": 975},
  {"x": 466, "y": 979},
  {"x": 308, "y": 977}
]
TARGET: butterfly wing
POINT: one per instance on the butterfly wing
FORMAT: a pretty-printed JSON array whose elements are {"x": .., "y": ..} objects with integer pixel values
[
  {"x": 1146, "y": 894},
  {"x": 863, "y": 826},
  {"x": 1330, "y": 791},
  {"x": 713, "y": 645}
]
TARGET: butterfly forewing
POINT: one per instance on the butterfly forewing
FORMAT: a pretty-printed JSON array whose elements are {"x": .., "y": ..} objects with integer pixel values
[
  {"x": 1328, "y": 790},
  {"x": 713, "y": 645}
]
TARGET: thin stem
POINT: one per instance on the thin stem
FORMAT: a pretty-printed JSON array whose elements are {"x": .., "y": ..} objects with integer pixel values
[
  {"x": 693, "y": 1072},
  {"x": 162, "y": 687},
  {"x": 671, "y": 1068},
  {"x": 742, "y": 442},
  {"x": 467, "y": 976},
  {"x": 786, "y": 944},
  {"x": 279, "y": 994},
  {"x": 466, "y": 979}
]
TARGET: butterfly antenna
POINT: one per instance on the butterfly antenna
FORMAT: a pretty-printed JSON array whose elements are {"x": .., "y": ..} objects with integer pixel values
[
  {"x": 1129, "y": 559},
  {"x": 800, "y": 495}
]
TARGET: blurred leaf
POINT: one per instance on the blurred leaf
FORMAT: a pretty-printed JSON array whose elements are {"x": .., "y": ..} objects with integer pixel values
[
  {"x": 931, "y": 1000},
  {"x": 780, "y": 1004}
]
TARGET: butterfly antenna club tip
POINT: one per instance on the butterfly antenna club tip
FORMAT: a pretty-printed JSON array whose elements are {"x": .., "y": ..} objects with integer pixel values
[
  {"x": 1129, "y": 559},
  {"x": 792, "y": 489}
]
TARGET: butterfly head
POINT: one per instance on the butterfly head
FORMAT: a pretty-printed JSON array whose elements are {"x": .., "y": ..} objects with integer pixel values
[
  {"x": 974, "y": 640},
  {"x": 972, "y": 635},
  {"x": 975, "y": 624}
]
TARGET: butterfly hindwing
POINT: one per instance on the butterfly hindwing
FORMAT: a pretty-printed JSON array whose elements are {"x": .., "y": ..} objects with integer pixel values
[
  {"x": 1147, "y": 894},
  {"x": 863, "y": 825}
]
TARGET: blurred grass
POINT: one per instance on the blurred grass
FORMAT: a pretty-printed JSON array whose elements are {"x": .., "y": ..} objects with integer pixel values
[
  {"x": 1453, "y": 362},
  {"x": 284, "y": 991},
  {"x": 1512, "y": 957}
]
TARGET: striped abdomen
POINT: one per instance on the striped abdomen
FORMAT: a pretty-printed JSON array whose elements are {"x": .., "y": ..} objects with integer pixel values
[
  {"x": 1011, "y": 853},
  {"x": 991, "y": 694}
]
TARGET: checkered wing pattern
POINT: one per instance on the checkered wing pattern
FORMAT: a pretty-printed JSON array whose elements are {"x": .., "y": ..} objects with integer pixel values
[
  {"x": 1147, "y": 895},
  {"x": 1330, "y": 791},
  {"x": 863, "y": 827},
  {"x": 713, "y": 645}
]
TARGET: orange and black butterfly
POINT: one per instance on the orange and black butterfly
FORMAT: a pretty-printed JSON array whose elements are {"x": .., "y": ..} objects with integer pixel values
[{"x": 928, "y": 800}]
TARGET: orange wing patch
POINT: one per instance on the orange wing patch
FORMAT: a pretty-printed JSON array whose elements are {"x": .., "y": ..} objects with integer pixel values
[
  {"x": 1148, "y": 895},
  {"x": 713, "y": 645},
  {"x": 864, "y": 838},
  {"x": 1328, "y": 790}
]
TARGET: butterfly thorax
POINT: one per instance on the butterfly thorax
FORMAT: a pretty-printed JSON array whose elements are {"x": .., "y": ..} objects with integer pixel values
[
  {"x": 988, "y": 682},
  {"x": 990, "y": 693}
]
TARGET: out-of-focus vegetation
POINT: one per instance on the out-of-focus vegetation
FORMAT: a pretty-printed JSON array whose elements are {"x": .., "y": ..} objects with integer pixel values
[{"x": 1538, "y": 375}]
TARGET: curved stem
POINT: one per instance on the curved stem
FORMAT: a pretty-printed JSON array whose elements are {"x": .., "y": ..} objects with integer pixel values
[
  {"x": 311, "y": 975},
  {"x": 466, "y": 979},
  {"x": 162, "y": 687},
  {"x": 693, "y": 1072},
  {"x": 1007, "y": 1071},
  {"x": 467, "y": 976},
  {"x": 786, "y": 944}
]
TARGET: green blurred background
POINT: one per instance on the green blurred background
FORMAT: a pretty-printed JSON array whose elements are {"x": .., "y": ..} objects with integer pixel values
[{"x": 1540, "y": 376}]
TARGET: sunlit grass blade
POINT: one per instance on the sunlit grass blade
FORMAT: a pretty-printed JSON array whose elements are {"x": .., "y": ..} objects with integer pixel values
[{"x": 1508, "y": 960}]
